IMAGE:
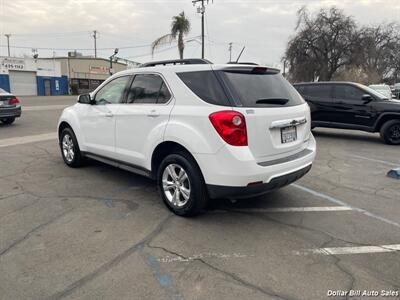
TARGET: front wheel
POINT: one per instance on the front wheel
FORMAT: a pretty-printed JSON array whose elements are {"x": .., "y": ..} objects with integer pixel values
[
  {"x": 181, "y": 184},
  {"x": 7, "y": 121},
  {"x": 390, "y": 132},
  {"x": 69, "y": 147}
]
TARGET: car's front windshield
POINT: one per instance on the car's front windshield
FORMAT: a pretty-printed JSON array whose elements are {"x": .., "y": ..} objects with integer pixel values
[{"x": 372, "y": 92}]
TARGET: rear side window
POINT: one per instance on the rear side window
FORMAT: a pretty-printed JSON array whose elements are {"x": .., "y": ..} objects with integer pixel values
[
  {"x": 257, "y": 90},
  {"x": 206, "y": 86},
  {"x": 148, "y": 89},
  {"x": 320, "y": 90}
]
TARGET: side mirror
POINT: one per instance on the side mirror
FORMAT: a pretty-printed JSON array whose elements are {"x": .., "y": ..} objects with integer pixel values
[
  {"x": 85, "y": 99},
  {"x": 367, "y": 98}
]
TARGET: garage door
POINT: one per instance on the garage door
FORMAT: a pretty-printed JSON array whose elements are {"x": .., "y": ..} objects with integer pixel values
[{"x": 23, "y": 83}]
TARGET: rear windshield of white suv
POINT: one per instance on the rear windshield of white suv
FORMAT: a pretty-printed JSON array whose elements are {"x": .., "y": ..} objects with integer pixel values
[
  {"x": 244, "y": 88},
  {"x": 260, "y": 90}
]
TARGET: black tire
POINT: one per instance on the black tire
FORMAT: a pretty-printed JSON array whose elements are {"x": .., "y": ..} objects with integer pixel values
[
  {"x": 390, "y": 132},
  {"x": 77, "y": 160},
  {"x": 198, "y": 197},
  {"x": 7, "y": 121}
]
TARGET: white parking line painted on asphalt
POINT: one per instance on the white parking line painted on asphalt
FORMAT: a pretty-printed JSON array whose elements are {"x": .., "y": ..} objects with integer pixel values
[
  {"x": 288, "y": 209},
  {"x": 43, "y": 107},
  {"x": 351, "y": 250},
  {"x": 27, "y": 139},
  {"x": 376, "y": 160},
  {"x": 342, "y": 203}
]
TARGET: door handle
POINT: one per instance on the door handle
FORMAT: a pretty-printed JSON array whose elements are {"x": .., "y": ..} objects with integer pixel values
[
  {"x": 153, "y": 114},
  {"x": 109, "y": 115}
]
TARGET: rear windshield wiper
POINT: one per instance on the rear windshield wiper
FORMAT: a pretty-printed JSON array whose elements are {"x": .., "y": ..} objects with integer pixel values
[{"x": 276, "y": 101}]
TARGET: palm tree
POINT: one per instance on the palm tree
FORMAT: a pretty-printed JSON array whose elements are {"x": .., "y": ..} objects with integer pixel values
[{"x": 180, "y": 26}]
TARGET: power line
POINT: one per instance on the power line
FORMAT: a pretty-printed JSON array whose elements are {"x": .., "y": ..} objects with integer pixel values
[
  {"x": 86, "y": 49},
  {"x": 149, "y": 54},
  {"x": 50, "y": 33}
]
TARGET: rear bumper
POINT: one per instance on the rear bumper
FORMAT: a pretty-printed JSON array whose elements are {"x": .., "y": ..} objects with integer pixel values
[
  {"x": 237, "y": 167},
  {"x": 219, "y": 191},
  {"x": 12, "y": 112}
]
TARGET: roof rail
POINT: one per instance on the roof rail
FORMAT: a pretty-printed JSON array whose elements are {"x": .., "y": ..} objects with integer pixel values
[
  {"x": 189, "y": 61},
  {"x": 241, "y": 63}
]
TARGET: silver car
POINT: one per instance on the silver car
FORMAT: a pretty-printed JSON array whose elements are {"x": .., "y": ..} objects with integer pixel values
[
  {"x": 383, "y": 89},
  {"x": 10, "y": 107}
]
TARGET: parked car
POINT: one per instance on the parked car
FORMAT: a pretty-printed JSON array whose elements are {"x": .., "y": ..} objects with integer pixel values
[
  {"x": 10, "y": 107},
  {"x": 201, "y": 130},
  {"x": 349, "y": 105},
  {"x": 384, "y": 89},
  {"x": 396, "y": 90}
]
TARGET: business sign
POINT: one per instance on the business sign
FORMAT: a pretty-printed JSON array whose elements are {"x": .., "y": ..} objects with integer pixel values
[
  {"x": 99, "y": 70},
  {"x": 13, "y": 64}
]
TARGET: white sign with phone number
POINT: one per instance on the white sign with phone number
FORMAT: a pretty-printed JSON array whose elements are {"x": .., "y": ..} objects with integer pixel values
[{"x": 13, "y": 64}]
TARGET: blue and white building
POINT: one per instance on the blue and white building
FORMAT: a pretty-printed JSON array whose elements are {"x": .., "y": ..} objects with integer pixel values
[{"x": 33, "y": 77}]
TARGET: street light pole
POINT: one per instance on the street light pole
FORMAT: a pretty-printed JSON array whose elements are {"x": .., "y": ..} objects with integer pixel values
[
  {"x": 8, "y": 43},
  {"x": 111, "y": 60}
]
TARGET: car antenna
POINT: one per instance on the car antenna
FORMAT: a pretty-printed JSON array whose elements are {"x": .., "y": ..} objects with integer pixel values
[{"x": 240, "y": 54}]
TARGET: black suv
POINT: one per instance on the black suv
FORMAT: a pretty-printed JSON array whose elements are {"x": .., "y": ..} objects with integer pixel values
[{"x": 349, "y": 105}]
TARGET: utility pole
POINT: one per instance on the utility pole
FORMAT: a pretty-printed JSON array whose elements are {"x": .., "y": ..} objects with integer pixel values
[
  {"x": 8, "y": 43},
  {"x": 95, "y": 42},
  {"x": 230, "y": 51},
  {"x": 202, "y": 11}
]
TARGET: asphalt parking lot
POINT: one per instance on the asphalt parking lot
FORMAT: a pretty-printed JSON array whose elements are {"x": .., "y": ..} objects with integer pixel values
[{"x": 102, "y": 233}]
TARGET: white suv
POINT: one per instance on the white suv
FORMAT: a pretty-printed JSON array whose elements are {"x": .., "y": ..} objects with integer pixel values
[{"x": 201, "y": 130}]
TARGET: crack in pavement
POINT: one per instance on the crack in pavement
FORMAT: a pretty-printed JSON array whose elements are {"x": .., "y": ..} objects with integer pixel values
[
  {"x": 21, "y": 208},
  {"x": 233, "y": 276},
  {"x": 113, "y": 262},
  {"x": 337, "y": 260},
  {"x": 15, "y": 243}
]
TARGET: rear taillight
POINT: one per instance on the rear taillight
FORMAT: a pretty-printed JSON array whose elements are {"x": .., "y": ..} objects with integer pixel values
[
  {"x": 231, "y": 126},
  {"x": 13, "y": 101}
]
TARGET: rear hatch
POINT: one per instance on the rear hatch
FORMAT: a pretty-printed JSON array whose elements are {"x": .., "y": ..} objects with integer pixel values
[{"x": 277, "y": 118}]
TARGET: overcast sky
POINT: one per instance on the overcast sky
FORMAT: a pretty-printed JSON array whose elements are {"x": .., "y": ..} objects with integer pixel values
[{"x": 263, "y": 26}]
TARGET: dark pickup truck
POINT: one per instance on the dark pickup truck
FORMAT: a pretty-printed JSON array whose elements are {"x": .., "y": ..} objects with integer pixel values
[{"x": 349, "y": 105}]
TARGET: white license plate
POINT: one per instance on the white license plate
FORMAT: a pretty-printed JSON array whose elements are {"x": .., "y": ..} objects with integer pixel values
[{"x": 288, "y": 134}]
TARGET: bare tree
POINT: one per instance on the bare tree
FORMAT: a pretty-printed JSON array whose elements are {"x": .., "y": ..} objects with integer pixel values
[
  {"x": 322, "y": 44},
  {"x": 379, "y": 51}
]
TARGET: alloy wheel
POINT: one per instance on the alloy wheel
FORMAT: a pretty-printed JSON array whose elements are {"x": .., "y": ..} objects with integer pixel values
[
  {"x": 176, "y": 185},
  {"x": 68, "y": 148},
  {"x": 394, "y": 133}
]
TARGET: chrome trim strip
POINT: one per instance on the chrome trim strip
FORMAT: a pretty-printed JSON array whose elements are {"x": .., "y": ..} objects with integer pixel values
[
  {"x": 298, "y": 155},
  {"x": 287, "y": 123}
]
